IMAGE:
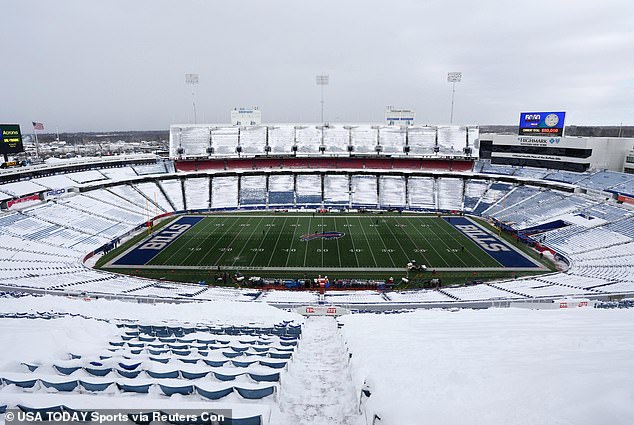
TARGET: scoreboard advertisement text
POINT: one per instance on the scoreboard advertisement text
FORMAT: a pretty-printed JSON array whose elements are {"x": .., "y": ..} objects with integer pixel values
[
  {"x": 542, "y": 124},
  {"x": 10, "y": 139}
]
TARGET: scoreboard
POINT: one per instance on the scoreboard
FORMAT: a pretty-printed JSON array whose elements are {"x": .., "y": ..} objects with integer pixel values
[
  {"x": 10, "y": 139},
  {"x": 545, "y": 124}
]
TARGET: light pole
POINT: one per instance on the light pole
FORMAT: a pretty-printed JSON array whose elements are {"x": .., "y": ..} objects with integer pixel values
[
  {"x": 453, "y": 78},
  {"x": 192, "y": 79},
  {"x": 322, "y": 80}
]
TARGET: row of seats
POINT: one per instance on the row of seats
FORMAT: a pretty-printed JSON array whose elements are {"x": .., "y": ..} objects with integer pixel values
[{"x": 208, "y": 141}]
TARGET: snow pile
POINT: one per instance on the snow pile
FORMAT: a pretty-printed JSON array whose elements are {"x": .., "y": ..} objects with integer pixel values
[
  {"x": 497, "y": 366},
  {"x": 235, "y": 313}
]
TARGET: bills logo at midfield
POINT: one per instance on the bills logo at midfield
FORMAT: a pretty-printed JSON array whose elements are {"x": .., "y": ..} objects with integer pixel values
[{"x": 322, "y": 235}]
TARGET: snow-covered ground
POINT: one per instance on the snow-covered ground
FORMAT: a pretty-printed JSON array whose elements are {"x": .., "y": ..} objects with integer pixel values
[
  {"x": 84, "y": 338},
  {"x": 496, "y": 366}
]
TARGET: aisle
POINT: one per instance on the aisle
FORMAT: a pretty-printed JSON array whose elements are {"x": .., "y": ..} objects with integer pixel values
[{"x": 317, "y": 388}]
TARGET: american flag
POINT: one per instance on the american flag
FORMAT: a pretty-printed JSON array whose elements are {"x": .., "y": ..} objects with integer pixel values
[{"x": 38, "y": 126}]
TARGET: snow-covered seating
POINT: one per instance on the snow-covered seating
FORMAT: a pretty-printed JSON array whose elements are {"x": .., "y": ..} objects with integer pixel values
[
  {"x": 335, "y": 140},
  {"x": 224, "y": 192},
  {"x": 392, "y": 191},
  {"x": 364, "y": 191},
  {"x": 18, "y": 189},
  {"x": 281, "y": 190},
  {"x": 86, "y": 176},
  {"x": 392, "y": 140},
  {"x": 604, "y": 180},
  {"x": 157, "y": 168},
  {"x": 354, "y": 297},
  {"x": 479, "y": 293},
  {"x": 420, "y": 296},
  {"x": 151, "y": 191},
  {"x": 253, "y": 140},
  {"x": 336, "y": 190},
  {"x": 450, "y": 192},
  {"x": 196, "y": 193},
  {"x": 474, "y": 189},
  {"x": 308, "y": 139},
  {"x": 364, "y": 139},
  {"x": 281, "y": 139},
  {"x": 174, "y": 191},
  {"x": 421, "y": 193},
  {"x": 119, "y": 173},
  {"x": 57, "y": 181},
  {"x": 421, "y": 140},
  {"x": 451, "y": 139},
  {"x": 192, "y": 139},
  {"x": 308, "y": 190},
  {"x": 253, "y": 190},
  {"x": 224, "y": 141},
  {"x": 105, "y": 204}
]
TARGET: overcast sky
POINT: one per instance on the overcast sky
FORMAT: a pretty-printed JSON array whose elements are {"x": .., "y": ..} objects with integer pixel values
[{"x": 82, "y": 65}]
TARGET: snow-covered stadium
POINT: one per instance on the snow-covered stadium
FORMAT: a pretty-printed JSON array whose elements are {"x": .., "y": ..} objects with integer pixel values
[{"x": 215, "y": 347}]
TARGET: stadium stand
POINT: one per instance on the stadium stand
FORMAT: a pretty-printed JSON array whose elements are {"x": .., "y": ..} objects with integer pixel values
[
  {"x": 281, "y": 190},
  {"x": 224, "y": 192},
  {"x": 336, "y": 190},
  {"x": 253, "y": 140},
  {"x": 421, "y": 140},
  {"x": 450, "y": 194},
  {"x": 196, "y": 193},
  {"x": 173, "y": 189},
  {"x": 50, "y": 238},
  {"x": 422, "y": 193},
  {"x": 154, "y": 194},
  {"x": 364, "y": 191},
  {"x": 253, "y": 190},
  {"x": 392, "y": 192},
  {"x": 207, "y": 366},
  {"x": 308, "y": 190}
]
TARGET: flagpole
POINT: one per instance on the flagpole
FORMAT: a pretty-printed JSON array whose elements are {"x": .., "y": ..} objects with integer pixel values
[{"x": 37, "y": 143}]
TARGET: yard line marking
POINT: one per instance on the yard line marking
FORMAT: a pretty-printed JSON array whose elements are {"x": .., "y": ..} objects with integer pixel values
[
  {"x": 370, "y": 246},
  {"x": 334, "y": 221},
  {"x": 231, "y": 243},
  {"x": 354, "y": 249},
  {"x": 194, "y": 238},
  {"x": 261, "y": 242},
  {"x": 432, "y": 246},
  {"x": 307, "y": 242},
  {"x": 415, "y": 244},
  {"x": 399, "y": 244},
  {"x": 447, "y": 246},
  {"x": 288, "y": 255},
  {"x": 218, "y": 239},
  {"x": 244, "y": 245},
  {"x": 279, "y": 234}
]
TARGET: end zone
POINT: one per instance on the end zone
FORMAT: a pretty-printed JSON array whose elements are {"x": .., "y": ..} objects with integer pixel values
[
  {"x": 144, "y": 252},
  {"x": 498, "y": 249}
]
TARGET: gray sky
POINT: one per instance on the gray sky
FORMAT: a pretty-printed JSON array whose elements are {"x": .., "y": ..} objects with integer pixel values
[{"x": 119, "y": 65}]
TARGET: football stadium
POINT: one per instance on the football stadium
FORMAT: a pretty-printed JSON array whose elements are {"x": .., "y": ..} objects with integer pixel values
[{"x": 173, "y": 257}]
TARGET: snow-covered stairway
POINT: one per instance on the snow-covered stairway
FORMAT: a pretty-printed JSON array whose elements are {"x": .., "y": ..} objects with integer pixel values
[{"x": 317, "y": 388}]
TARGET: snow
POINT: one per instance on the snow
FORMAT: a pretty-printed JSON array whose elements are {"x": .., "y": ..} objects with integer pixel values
[
  {"x": 93, "y": 325},
  {"x": 495, "y": 366}
]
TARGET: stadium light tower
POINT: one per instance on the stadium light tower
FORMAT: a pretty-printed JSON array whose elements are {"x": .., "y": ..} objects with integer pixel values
[
  {"x": 453, "y": 78},
  {"x": 192, "y": 79},
  {"x": 322, "y": 80}
]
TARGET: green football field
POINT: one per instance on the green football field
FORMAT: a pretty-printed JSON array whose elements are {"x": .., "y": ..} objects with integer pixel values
[{"x": 267, "y": 242}]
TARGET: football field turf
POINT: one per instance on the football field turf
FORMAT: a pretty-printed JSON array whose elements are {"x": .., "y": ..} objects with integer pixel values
[{"x": 303, "y": 242}]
